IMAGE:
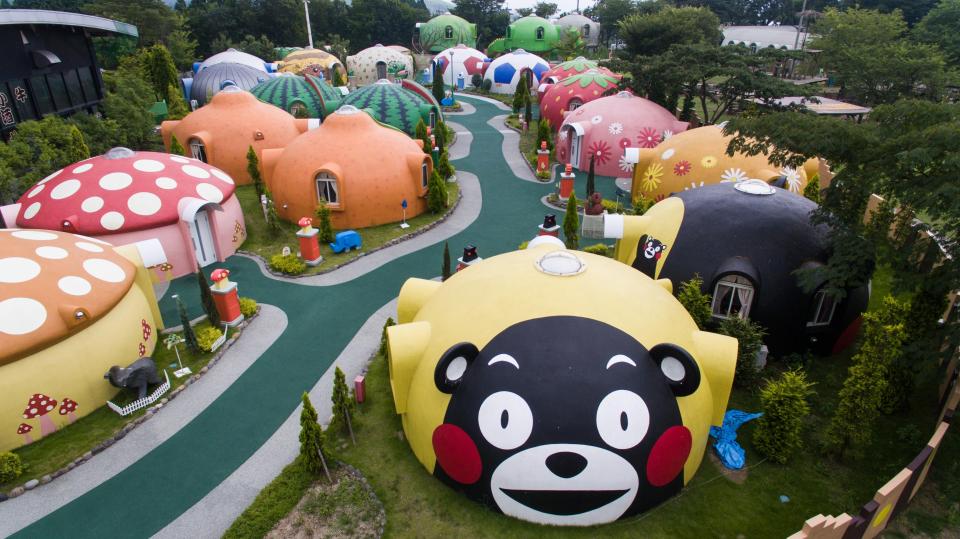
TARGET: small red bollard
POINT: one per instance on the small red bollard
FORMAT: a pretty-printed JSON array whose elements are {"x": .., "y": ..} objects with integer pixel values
[{"x": 360, "y": 388}]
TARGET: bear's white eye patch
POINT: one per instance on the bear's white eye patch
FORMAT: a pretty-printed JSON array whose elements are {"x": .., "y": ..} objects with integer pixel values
[
  {"x": 620, "y": 358},
  {"x": 622, "y": 419},
  {"x": 504, "y": 358},
  {"x": 505, "y": 420},
  {"x": 456, "y": 368},
  {"x": 673, "y": 369}
]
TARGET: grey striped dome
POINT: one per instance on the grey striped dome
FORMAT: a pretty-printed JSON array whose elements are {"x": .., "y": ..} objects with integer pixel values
[{"x": 211, "y": 80}]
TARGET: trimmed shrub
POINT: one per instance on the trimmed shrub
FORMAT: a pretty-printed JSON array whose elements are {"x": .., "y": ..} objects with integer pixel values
[
  {"x": 696, "y": 303},
  {"x": 206, "y": 299},
  {"x": 326, "y": 228},
  {"x": 750, "y": 336},
  {"x": 598, "y": 249},
  {"x": 288, "y": 265},
  {"x": 784, "y": 405},
  {"x": 383, "y": 336},
  {"x": 571, "y": 223},
  {"x": 812, "y": 190},
  {"x": 248, "y": 307},
  {"x": 487, "y": 84},
  {"x": 476, "y": 80},
  {"x": 523, "y": 245},
  {"x": 206, "y": 336},
  {"x": 611, "y": 206},
  {"x": 436, "y": 193},
  {"x": 10, "y": 467}
]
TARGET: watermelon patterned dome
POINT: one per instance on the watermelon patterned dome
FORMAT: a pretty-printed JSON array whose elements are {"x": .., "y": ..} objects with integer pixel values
[
  {"x": 393, "y": 105},
  {"x": 293, "y": 93},
  {"x": 576, "y": 90}
]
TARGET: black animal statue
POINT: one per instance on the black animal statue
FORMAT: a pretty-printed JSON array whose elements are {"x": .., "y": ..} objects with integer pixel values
[{"x": 140, "y": 374}]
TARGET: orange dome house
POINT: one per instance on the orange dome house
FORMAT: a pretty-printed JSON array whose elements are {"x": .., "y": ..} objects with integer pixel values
[
  {"x": 363, "y": 170},
  {"x": 221, "y": 132}
]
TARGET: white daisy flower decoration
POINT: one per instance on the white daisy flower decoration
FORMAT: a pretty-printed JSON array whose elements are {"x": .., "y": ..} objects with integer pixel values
[
  {"x": 733, "y": 175},
  {"x": 596, "y": 119},
  {"x": 625, "y": 165},
  {"x": 693, "y": 185},
  {"x": 562, "y": 135},
  {"x": 615, "y": 128},
  {"x": 667, "y": 134},
  {"x": 792, "y": 177}
]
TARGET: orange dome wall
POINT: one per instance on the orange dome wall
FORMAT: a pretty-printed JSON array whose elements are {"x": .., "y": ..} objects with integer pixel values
[
  {"x": 231, "y": 123},
  {"x": 376, "y": 168}
]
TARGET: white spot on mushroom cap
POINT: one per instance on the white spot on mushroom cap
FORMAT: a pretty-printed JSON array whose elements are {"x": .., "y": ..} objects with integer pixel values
[
  {"x": 31, "y": 210},
  {"x": 148, "y": 165},
  {"x": 179, "y": 159},
  {"x": 115, "y": 181},
  {"x": 90, "y": 247},
  {"x": 37, "y": 235},
  {"x": 21, "y": 315},
  {"x": 82, "y": 168},
  {"x": 92, "y": 204},
  {"x": 104, "y": 270},
  {"x": 209, "y": 192},
  {"x": 74, "y": 286},
  {"x": 16, "y": 269},
  {"x": 65, "y": 189},
  {"x": 667, "y": 154},
  {"x": 144, "y": 203},
  {"x": 50, "y": 177},
  {"x": 52, "y": 253},
  {"x": 166, "y": 183},
  {"x": 195, "y": 171},
  {"x": 35, "y": 191},
  {"x": 95, "y": 240},
  {"x": 112, "y": 220},
  {"x": 221, "y": 175}
]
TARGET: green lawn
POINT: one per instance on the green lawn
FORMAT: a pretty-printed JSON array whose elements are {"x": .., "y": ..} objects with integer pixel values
[
  {"x": 260, "y": 241},
  {"x": 53, "y": 452}
]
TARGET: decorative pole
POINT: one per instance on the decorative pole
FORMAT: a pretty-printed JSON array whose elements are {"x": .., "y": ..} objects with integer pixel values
[
  {"x": 306, "y": 13},
  {"x": 403, "y": 205}
]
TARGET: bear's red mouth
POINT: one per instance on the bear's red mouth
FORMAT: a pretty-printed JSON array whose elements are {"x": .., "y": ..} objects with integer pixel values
[{"x": 564, "y": 502}]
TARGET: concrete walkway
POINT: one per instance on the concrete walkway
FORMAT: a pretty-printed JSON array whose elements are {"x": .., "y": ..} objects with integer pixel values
[
  {"x": 511, "y": 150},
  {"x": 461, "y": 148},
  {"x": 35, "y": 504}
]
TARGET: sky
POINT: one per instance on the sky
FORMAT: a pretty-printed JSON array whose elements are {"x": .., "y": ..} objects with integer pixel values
[{"x": 562, "y": 5}]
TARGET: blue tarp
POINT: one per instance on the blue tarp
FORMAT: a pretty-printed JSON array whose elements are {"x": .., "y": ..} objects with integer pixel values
[{"x": 731, "y": 454}]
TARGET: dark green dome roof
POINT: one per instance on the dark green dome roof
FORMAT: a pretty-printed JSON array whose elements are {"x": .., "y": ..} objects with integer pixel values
[
  {"x": 286, "y": 91},
  {"x": 391, "y": 104}
]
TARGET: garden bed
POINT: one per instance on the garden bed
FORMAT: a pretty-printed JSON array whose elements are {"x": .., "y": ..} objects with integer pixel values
[{"x": 52, "y": 456}]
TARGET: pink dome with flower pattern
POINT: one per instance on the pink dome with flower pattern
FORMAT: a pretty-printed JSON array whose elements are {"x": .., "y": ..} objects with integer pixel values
[{"x": 604, "y": 127}]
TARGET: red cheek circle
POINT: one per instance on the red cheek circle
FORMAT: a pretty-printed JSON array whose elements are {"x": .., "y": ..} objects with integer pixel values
[
  {"x": 668, "y": 456},
  {"x": 457, "y": 454}
]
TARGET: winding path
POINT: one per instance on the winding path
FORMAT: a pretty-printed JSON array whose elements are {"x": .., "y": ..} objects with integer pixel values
[{"x": 217, "y": 460}]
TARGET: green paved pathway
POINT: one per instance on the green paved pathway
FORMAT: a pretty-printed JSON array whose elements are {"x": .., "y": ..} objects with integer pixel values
[{"x": 155, "y": 490}]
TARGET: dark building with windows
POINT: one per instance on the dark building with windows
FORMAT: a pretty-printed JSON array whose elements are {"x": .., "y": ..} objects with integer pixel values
[{"x": 49, "y": 65}]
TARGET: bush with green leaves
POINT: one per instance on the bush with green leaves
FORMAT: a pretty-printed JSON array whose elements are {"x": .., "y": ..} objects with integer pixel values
[
  {"x": 487, "y": 84},
  {"x": 288, "y": 265},
  {"x": 784, "y": 404},
  {"x": 383, "y": 336},
  {"x": 598, "y": 249},
  {"x": 10, "y": 467},
  {"x": 248, "y": 307},
  {"x": 206, "y": 336},
  {"x": 326, "y": 228},
  {"x": 444, "y": 167},
  {"x": 695, "y": 301},
  {"x": 436, "y": 193},
  {"x": 812, "y": 190},
  {"x": 312, "y": 439},
  {"x": 544, "y": 133},
  {"x": 749, "y": 335},
  {"x": 476, "y": 80}
]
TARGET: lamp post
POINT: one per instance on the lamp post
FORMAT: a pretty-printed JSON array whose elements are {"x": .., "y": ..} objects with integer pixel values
[
  {"x": 306, "y": 13},
  {"x": 453, "y": 81}
]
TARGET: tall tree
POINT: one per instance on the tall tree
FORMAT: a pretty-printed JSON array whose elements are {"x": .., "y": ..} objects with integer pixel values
[
  {"x": 153, "y": 18},
  {"x": 545, "y": 9},
  {"x": 206, "y": 299},
  {"x": 190, "y": 338},
  {"x": 253, "y": 169},
  {"x": 940, "y": 26},
  {"x": 312, "y": 440},
  {"x": 571, "y": 223},
  {"x": 445, "y": 269},
  {"x": 36, "y": 149},
  {"x": 342, "y": 404},
  {"x": 652, "y": 34},
  {"x": 591, "y": 185},
  {"x": 609, "y": 13}
]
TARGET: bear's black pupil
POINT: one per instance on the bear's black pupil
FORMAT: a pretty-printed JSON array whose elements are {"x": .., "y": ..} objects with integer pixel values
[
  {"x": 504, "y": 419},
  {"x": 623, "y": 420}
]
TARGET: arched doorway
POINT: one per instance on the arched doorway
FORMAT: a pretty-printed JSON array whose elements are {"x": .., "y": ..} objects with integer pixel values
[{"x": 381, "y": 70}]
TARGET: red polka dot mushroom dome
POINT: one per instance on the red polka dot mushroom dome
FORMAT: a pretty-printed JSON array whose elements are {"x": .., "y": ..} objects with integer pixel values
[
  {"x": 71, "y": 307},
  {"x": 183, "y": 210},
  {"x": 603, "y": 128}
]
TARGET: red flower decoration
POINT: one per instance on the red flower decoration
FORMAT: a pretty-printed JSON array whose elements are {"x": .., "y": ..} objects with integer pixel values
[
  {"x": 648, "y": 138},
  {"x": 625, "y": 142},
  {"x": 659, "y": 197},
  {"x": 601, "y": 151},
  {"x": 143, "y": 349},
  {"x": 682, "y": 168}
]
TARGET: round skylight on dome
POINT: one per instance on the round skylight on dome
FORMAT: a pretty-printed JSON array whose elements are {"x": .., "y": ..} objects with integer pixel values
[
  {"x": 624, "y": 94},
  {"x": 561, "y": 264},
  {"x": 754, "y": 187},
  {"x": 118, "y": 153},
  {"x": 347, "y": 109},
  {"x": 383, "y": 81},
  {"x": 230, "y": 87}
]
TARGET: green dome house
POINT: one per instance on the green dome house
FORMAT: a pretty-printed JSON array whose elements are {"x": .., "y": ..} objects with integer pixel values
[
  {"x": 531, "y": 33},
  {"x": 444, "y": 31},
  {"x": 303, "y": 96}
]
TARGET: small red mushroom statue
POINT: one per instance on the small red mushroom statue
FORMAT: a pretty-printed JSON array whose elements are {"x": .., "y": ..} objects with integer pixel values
[
  {"x": 305, "y": 224},
  {"x": 68, "y": 407},
  {"x": 40, "y": 405},
  {"x": 225, "y": 297},
  {"x": 220, "y": 278},
  {"x": 25, "y": 429}
]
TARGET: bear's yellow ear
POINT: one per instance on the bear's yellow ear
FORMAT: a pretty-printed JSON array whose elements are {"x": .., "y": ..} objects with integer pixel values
[
  {"x": 405, "y": 346},
  {"x": 413, "y": 295},
  {"x": 665, "y": 284},
  {"x": 717, "y": 358}
]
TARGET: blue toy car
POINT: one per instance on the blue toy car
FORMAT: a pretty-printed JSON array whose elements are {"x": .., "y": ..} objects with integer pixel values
[{"x": 346, "y": 240}]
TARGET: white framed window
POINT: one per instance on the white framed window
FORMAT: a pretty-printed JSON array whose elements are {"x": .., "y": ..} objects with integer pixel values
[
  {"x": 424, "y": 175},
  {"x": 824, "y": 305},
  {"x": 540, "y": 32},
  {"x": 586, "y": 30},
  {"x": 574, "y": 104},
  {"x": 732, "y": 297},
  {"x": 448, "y": 32},
  {"x": 327, "y": 188},
  {"x": 433, "y": 120},
  {"x": 197, "y": 150},
  {"x": 299, "y": 110}
]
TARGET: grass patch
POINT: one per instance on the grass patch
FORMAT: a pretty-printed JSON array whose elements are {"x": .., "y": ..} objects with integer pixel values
[
  {"x": 419, "y": 505},
  {"x": 59, "y": 449},
  {"x": 273, "y": 502},
  {"x": 260, "y": 241}
]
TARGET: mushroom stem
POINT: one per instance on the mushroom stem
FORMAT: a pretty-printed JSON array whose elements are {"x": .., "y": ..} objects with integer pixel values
[
  {"x": 72, "y": 416},
  {"x": 27, "y": 439},
  {"x": 46, "y": 425}
]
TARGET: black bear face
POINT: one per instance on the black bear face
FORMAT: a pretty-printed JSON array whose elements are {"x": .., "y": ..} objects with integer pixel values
[
  {"x": 653, "y": 248},
  {"x": 649, "y": 251},
  {"x": 564, "y": 420}
]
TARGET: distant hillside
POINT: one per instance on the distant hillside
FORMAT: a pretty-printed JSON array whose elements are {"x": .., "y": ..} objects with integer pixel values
[{"x": 433, "y": 6}]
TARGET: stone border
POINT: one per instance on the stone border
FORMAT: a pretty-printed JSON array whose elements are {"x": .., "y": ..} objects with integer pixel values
[
  {"x": 391, "y": 243},
  {"x": 150, "y": 411},
  {"x": 358, "y": 475}
]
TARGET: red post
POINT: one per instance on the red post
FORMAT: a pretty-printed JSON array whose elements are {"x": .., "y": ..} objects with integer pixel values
[
  {"x": 543, "y": 157},
  {"x": 566, "y": 182},
  {"x": 360, "y": 388},
  {"x": 225, "y": 297},
  {"x": 309, "y": 244}
]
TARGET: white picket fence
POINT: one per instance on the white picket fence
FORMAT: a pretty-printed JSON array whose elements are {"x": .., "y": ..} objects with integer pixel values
[{"x": 144, "y": 402}]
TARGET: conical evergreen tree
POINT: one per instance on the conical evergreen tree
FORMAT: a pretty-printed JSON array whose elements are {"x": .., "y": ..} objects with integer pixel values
[
  {"x": 591, "y": 182},
  {"x": 175, "y": 147},
  {"x": 326, "y": 229},
  {"x": 206, "y": 299},
  {"x": 253, "y": 169},
  {"x": 312, "y": 439},
  {"x": 189, "y": 337},
  {"x": 445, "y": 271},
  {"x": 571, "y": 223},
  {"x": 438, "y": 90},
  {"x": 420, "y": 132},
  {"x": 341, "y": 401}
]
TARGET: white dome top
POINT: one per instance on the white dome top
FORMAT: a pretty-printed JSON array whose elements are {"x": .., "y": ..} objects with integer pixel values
[{"x": 233, "y": 56}]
